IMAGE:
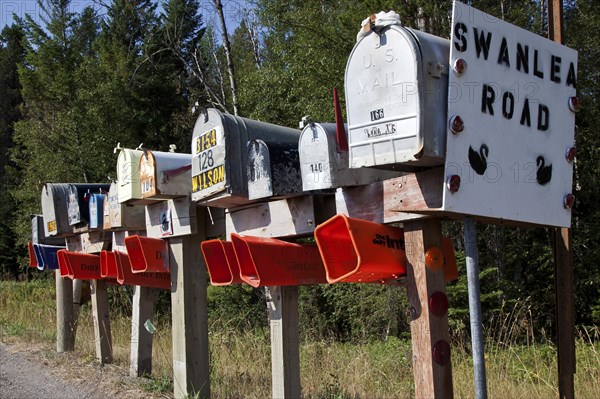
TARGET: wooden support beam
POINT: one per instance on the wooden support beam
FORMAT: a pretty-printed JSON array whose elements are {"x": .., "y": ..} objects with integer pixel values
[
  {"x": 430, "y": 338},
  {"x": 565, "y": 313},
  {"x": 191, "y": 373},
  {"x": 141, "y": 339},
  {"x": 100, "y": 312},
  {"x": 282, "y": 304},
  {"x": 65, "y": 339},
  {"x": 563, "y": 262}
]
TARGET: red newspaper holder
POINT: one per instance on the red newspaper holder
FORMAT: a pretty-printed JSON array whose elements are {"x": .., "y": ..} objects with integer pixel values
[
  {"x": 221, "y": 262},
  {"x": 147, "y": 254},
  {"x": 77, "y": 265},
  {"x": 268, "y": 261},
  {"x": 116, "y": 265},
  {"x": 359, "y": 251}
]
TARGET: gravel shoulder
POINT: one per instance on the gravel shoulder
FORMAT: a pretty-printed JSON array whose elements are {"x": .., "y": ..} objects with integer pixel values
[{"x": 31, "y": 371}]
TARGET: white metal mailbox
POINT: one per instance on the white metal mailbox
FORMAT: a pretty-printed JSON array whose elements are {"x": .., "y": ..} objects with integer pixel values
[
  {"x": 324, "y": 166},
  {"x": 396, "y": 86},
  {"x": 122, "y": 216},
  {"x": 165, "y": 175},
  {"x": 128, "y": 176},
  {"x": 220, "y": 155},
  {"x": 273, "y": 170},
  {"x": 78, "y": 201}
]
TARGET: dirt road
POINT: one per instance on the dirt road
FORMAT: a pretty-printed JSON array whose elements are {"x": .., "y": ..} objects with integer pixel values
[{"x": 30, "y": 372}]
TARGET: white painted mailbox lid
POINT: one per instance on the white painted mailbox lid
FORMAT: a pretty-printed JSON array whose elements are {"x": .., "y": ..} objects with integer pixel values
[
  {"x": 513, "y": 98},
  {"x": 396, "y": 82},
  {"x": 128, "y": 174}
]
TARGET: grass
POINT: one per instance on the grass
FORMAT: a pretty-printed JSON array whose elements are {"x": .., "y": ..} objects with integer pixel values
[{"x": 518, "y": 364}]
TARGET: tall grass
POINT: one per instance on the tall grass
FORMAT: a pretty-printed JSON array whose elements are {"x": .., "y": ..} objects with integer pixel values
[{"x": 519, "y": 362}]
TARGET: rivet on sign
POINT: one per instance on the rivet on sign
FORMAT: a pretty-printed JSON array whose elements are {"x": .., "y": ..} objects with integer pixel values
[
  {"x": 438, "y": 304},
  {"x": 571, "y": 153},
  {"x": 574, "y": 104},
  {"x": 457, "y": 125},
  {"x": 453, "y": 183},
  {"x": 569, "y": 201},
  {"x": 441, "y": 352},
  {"x": 434, "y": 259},
  {"x": 309, "y": 222},
  {"x": 460, "y": 66}
]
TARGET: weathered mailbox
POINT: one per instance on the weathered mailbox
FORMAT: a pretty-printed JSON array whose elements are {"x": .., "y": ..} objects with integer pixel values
[
  {"x": 97, "y": 210},
  {"x": 78, "y": 201},
  {"x": 164, "y": 175},
  {"x": 324, "y": 165},
  {"x": 54, "y": 210},
  {"x": 273, "y": 169},
  {"x": 122, "y": 216},
  {"x": 396, "y": 87},
  {"x": 220, "y": 155}
]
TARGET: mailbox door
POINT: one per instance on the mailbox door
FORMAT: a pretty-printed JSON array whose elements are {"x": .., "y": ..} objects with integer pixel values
[
  {"x": 128, "y": 175},
  {"x": 317, "y": 147},
  {"x": 96, "y": 211},
  {"x": 387, "y": 101}
]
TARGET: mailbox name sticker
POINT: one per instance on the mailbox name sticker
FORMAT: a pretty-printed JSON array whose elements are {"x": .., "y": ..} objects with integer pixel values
[
  {"x": 52, "y": 225},
  {"x": 208, "y": 178}
]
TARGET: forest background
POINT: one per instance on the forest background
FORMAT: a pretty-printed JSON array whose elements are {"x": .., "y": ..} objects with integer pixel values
[{"x": 74, "y": 83}]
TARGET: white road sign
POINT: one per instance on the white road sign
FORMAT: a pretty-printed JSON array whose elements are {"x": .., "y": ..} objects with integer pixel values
[{"x": 510, "y": 124}]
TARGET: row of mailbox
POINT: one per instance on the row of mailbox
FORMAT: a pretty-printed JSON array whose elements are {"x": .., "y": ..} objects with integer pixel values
[
  {"x": 346, "y": 250},
  {"x": 236, "y": 160}
]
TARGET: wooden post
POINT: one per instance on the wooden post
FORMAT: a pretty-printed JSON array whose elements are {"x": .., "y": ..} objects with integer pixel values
[
  {"x": 101, "y": 321},
  {"x": 77, "y": 302},
  {"x": 282, "y": 303},
  {"x": 191, "y": 374},
  {"x": 563, "y": 263},
  {"x": 65, "y": 339},
  {"x": 565, "y": 313},
  {"x": 430, "y": 338},
  {"x": 141, "y": 339}
]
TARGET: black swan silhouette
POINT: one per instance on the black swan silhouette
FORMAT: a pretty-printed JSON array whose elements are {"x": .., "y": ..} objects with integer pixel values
[
  {"x": 544, "y": 172},
  {"x": 478, "y": 159}
]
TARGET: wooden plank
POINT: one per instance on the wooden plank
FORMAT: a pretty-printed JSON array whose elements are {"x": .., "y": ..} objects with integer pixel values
[
  {"x": 191, "y": 373},
  {"x": 101, "y": 317},
  {"x": 141, "y": 338},
  {"x": 393, "y": 200},
  {"x": 282, "y": 304},
  {"x": 65, "y": 340},
  {"x": 281, "y": 218},
  {"x": 178, "y": 213},
  {"x": 433, "y": 379}
]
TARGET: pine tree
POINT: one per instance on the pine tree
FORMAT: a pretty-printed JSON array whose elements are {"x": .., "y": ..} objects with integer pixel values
[{"x": 11, "y": 53}]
